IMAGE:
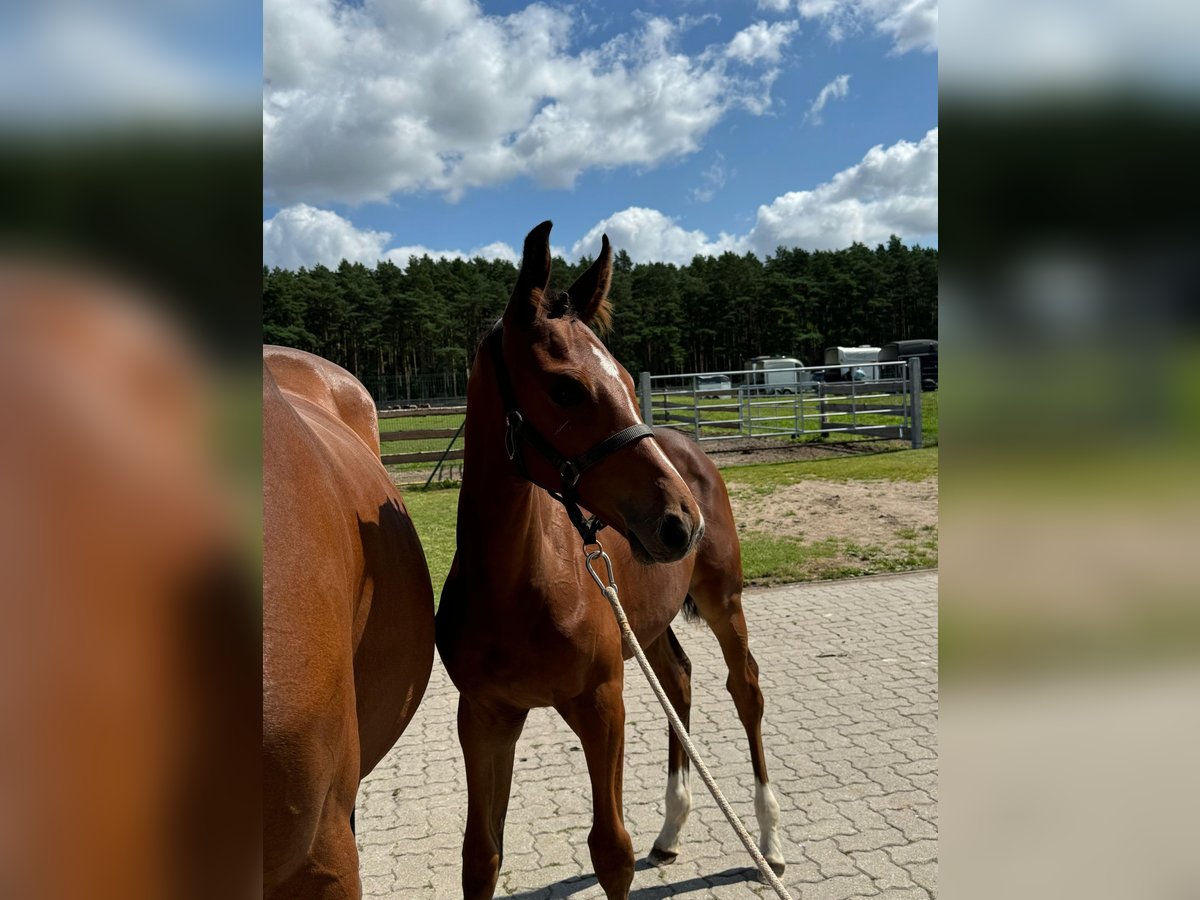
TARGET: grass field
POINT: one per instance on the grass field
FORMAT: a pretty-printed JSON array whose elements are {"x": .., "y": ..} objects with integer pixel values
[{"x": 767, "y": 558}]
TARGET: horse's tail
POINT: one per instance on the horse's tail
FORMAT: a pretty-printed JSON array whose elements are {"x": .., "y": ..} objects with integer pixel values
[{"x": 691, "y": 612}]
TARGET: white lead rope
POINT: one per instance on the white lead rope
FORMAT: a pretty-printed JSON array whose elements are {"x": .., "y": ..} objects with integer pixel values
[{"x": 610, "y": 592}]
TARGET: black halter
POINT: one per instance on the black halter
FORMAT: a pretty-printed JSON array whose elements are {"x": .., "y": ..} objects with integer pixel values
[{"x": 569, "y": 470}]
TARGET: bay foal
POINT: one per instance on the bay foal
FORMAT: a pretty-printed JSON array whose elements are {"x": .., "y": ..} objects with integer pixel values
[{"x": 521, "y": 625}]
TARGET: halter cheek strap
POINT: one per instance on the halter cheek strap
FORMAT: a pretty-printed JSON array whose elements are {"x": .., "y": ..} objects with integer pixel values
[{"x": 520, "y": 431}]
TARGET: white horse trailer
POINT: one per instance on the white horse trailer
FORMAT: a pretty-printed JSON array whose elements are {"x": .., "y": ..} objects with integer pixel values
[
  {"x": 853, "y": 363},
  {"x": 776, "y": 374}
]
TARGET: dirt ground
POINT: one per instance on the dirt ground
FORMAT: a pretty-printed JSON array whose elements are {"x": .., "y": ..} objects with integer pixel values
[
  {"x": 864, "y": 512},
  {"x": 817, "y": 529},
  {"x": 772, "y": 450}
]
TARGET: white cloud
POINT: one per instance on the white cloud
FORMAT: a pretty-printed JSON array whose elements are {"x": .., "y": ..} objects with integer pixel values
[
  {"x": 892, "y": 190},
  {"x": 911, "y": 24},
  {"x": 648, "y": 235},
  {"x": 761, "y": 42},
  {"x": 303, "y": 235},
  {"x": 835, "y": 90},
  {"x": 496, "y": 250},
  {"x": 362, "y": 102}
]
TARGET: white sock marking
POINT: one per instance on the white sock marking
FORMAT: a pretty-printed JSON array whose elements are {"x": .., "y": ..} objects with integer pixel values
[
  {"x": 679, "y": 804},
  {"x": 766, "y": 810}
]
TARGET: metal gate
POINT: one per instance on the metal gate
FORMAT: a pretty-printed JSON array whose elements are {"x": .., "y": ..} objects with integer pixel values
[{"x": 801, "y": 402}]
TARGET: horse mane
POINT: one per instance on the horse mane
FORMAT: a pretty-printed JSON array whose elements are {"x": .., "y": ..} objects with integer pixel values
[
  {"x": 563, "y": 305},
  {"x": 602, "y": 318}
]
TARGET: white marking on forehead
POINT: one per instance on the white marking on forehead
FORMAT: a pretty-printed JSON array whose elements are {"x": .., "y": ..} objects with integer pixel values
[
  {"x": 607, "y": 364},
  {"x": 610, "y": 368}
]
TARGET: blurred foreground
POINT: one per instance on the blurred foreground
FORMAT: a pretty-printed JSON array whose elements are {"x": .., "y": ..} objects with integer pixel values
[
  {"x": 130, "y": 625},
  {"x": 1070, "y": 504},
  {"x": 129, "y": 615}
]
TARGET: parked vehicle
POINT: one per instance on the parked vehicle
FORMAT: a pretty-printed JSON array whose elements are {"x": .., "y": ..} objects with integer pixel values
[
  {"x": 710, "y": 385},
  {"x": 925, "y": 350},
  {"x": 850, "y": 360},
  {"x": 775, "y": 374}
]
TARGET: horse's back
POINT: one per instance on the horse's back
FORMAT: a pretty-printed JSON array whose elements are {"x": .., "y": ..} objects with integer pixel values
[
  {"x": 327, "y": 385},
  {"x": 347, "y": 602}
]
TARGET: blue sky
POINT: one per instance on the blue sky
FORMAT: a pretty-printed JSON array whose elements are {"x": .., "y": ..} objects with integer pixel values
[{"x": 399, "y": 126}]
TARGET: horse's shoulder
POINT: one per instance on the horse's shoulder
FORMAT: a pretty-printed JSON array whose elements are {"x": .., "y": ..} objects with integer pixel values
[{"x": 326, "y": 385}]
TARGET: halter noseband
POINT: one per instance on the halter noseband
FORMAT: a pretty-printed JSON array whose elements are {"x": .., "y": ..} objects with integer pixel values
[{"x": 569, "y": 470}]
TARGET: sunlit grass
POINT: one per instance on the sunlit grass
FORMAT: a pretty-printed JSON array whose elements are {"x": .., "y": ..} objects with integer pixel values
[{"x": 901, "y": 465}]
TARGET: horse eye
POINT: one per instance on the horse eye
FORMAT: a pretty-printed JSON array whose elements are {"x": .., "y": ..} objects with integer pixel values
[{"x": 567, "y": 392}]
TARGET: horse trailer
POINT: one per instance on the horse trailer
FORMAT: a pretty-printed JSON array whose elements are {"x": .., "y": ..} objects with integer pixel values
[
  {"x": 852, "y": 362},
  {"x": 924, "y": 350},
  {"x": 776, "y": 374}
]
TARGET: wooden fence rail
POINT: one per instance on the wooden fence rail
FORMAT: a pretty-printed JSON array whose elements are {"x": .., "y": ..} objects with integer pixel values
[{"x": 391, "y": 429}]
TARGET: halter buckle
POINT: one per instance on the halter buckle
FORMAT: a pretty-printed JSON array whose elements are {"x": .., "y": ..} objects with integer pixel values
[{"x": 569, "y": 473}]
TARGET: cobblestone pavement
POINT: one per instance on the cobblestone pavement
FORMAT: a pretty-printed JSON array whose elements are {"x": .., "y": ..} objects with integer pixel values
[{"x": 849, "y": 673}]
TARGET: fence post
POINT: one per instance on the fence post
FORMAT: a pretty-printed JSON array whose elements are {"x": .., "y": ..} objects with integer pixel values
[
  {"x": 647, "y": 402},
  {"x": 914, "y": 390}
]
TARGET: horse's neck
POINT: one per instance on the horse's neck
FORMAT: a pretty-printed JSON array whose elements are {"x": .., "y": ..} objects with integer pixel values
[
  {"x": 501, "y": 515},
  {"x": 495, "y": 509}
]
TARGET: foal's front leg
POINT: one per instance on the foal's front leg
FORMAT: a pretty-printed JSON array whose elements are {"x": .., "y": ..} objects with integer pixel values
[
  {"x": 489, "y": 740},
  {"x": 598, "y": 718}
]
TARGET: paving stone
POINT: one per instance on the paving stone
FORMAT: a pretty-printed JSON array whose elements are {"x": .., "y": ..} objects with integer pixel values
[
  {"x": 883, "y": 871},
  {"x": 851, "y": 748}
]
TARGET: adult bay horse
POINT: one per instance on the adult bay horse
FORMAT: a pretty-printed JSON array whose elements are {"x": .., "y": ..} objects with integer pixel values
[
  {"x": 521, "y": 625},
  {"x": 347, "y": 620}
]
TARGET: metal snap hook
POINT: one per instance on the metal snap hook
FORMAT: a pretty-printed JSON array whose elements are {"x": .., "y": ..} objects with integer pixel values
[
  {"x": 593, "y": 555},
  {"x": 513, "y": 420}
]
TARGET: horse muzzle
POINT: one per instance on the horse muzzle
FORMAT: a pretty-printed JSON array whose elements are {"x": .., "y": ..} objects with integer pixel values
[{"x": 666, "y": 539}]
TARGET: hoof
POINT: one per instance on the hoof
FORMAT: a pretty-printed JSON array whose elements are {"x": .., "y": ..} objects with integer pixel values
[
  {"x": 658, "y": 857},
  {"x": 777, "y": 867}
]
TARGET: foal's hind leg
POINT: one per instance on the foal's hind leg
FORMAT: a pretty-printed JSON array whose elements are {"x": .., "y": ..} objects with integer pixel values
[
  {"x": 598, "y": 717},
  {"x": 674, "y": 671},
  {"x": 724, "y": 615},
  {"x": 489, "y": 740}
]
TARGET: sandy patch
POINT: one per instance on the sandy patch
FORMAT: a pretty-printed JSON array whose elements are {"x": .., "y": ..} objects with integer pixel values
[{"x": 863, "y": 512}]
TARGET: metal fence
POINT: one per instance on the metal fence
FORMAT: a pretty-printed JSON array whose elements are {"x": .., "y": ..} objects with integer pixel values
[
  {"x": 797, "y": 402},
  {"x": 419, "y": 444},
  {"x": 426, "y": 441},
  {"x": 396, "y": 391}
]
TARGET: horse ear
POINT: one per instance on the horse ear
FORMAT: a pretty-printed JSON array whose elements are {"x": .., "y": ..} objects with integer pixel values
[
  {"x": 589, "y": 293},
  {"x": 533, "y": 278}
]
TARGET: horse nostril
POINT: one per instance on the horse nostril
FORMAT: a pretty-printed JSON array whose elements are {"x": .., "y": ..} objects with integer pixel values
[{"x": 674, "y": 533}]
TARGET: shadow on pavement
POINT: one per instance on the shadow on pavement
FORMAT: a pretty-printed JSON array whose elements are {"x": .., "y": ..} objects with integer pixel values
[{"x": 575, "y": 884}]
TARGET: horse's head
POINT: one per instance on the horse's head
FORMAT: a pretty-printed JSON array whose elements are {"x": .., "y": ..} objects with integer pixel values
[{"x": 575, "y": 395}]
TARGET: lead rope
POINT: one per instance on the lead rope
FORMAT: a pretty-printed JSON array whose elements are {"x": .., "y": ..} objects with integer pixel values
[{"x": 610, "y": 594}]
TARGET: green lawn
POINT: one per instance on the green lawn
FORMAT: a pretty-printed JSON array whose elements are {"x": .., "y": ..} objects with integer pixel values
[
  {"x": 900, "y": 465},
  {"x": 766, "y": 559},
  {"x": 435, "y": 513}
]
